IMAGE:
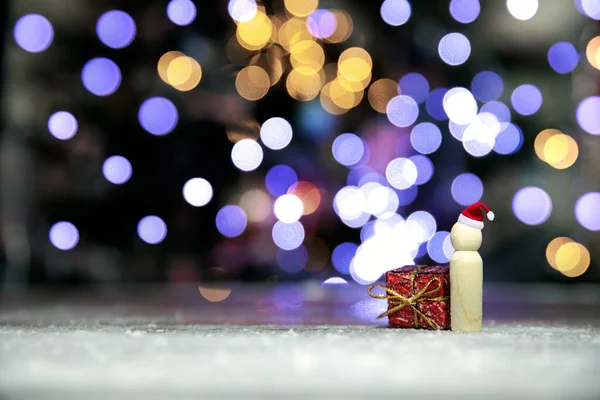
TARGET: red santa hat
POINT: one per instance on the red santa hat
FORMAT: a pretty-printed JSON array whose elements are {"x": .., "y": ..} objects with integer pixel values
[{"x": 473, "y": 217}]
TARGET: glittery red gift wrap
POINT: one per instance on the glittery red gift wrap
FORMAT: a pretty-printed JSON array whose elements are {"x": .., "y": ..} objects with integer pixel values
[{"x": 399, "y": 280}]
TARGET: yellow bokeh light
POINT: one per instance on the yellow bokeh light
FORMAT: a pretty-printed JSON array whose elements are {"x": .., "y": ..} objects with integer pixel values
[
  {"x": 561, "y": 151},
  {"x": 275, "y": 63},
  {"x": 163, "y": 64},
  {"x": 256, "y": 33},
  {"x": 582, "y": 265},
  {"x": 328, "y": 104},
  {"x": 246, "y": 129},
  {"x": 572, "y": 259},
  {"x": 592, "y": 52},
  {"x": 303, "y": 86},
  {"x": 252, "y": 83},
  {"x": 292, "y": 31},
  {"x": 343, "y": 29},
  {"x": 354, "y": 70},
  {"x": 342, "y": 97},
  {"x": 553, "y": 247},
  {"x": 184, "y": 73},
  {"x": 381, "y": 92},
  {"x": 301, "y": 8},
  {"x": 356, "y": 52},
  {"x": 256, "y": 204},
  {"x": 307, "y": 56},
  {"x": 541, "y": 139}
]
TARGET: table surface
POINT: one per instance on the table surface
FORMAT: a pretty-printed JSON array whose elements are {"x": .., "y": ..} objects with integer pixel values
[{"x": 293, "y": 341}]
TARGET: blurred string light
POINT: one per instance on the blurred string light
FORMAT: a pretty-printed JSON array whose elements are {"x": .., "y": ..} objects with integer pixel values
[
  {"x": 62, "y": 125},
  {"x": 532, "y": 205},
  {"x": 348, "y": 149},
  {"x": 301, "y": 8},
  {"x": 587, "y": 211},
  {"x": 117, "y": 169},
  {"x": 180, "y": 71},
  {"x": 197, "y": 192},
  {"x": 434, "y": 104},
  {"x": 588, "y": 116},
  {"x": 592, "y": 52},
  {"x": 231, "y": 221},
  {"x": 252, "y": 83},
  {"x": 555, "y": 148},
  {"x": 454, "y": 49},
  {"x": 568, "y": 257},
  {"x": 321, "y": 24},
  {"x": 460, "y": 105},
  {"x": 288, "y": 236},
  {"x": 158, "y": 116},
  {"x": 276, "y": 133},
  {"x": 414, "y": 85},
  {"x": 526, "y": 99},
  {"x": 292, "y": 261},
  {"x": 487, "y": 86},
  {"x": 426, "y": 138},
  {"x": 465, "y": 11},
  {"x": 395, "y": 12},
  {"x": 466, "y": 189},
  {"x": 247, "y": 155},
  {"x": 424, "y": 168},
  {"x": 288, "y": 208},
  {"x": 334, "y": 281},
  {"x": 116, "y": 29},
  {"x": 33, "y": 33},
  {"x": 279, "y": 179},
  {"x": 522, "y": 9},
  {"x": 401, "y": 173},
  {"x": 242, "y": 10},
  {"x": 437, "y": 247},
  {"x": 64, "y": 235},
  {"x": 563, "y": 57},
  {"x": 591, "y": 8},
  {"x": 256, "y": 204},
  {"x": 152, "y": 229},
  {"x": 381, "y": 92},
  {"x": 402, "y": 111},
  {"x": 101, "y": 76},
  {"x": 509, "y": 140},
  {"x": 181, "y": 12},
  {"x": 309, "y": 195},
  {"x": 342, "y": 255}
]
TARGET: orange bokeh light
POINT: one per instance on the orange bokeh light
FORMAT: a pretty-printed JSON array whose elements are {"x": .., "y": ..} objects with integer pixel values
[{"x": 309, "y": 194}]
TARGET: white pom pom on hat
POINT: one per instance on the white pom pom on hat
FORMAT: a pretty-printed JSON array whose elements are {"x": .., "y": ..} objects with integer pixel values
[{"x": 473, "y": 217}]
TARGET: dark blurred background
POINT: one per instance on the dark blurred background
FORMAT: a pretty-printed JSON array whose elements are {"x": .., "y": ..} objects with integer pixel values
[{"x": 172, "y": 87}]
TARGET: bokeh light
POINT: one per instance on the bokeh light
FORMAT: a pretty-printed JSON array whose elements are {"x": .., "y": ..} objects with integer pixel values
[
  {"x": 334, "y": 281},
  {"x": 183, "y": 73},
  {"x": 422, "y": 225},
  {"x": 116, "y": 29},
  {"x": 256, "y": 33},
  {"x": 101, "y": 76},
  {"x": 532, "y": 205},
  {"x": 414, "y": 85},
  {"x": 321, "y": 24},
  {"x": 572, "y": 259},
  {"x": 62, "y": 125},
  {"x": 401, "y": 173},
  {"x": 522, "y": 9},
  {"x": 426, "y": 138},
  {"x": 563, "y": 57},
  {"x": 454, "y": 48},
  {"x": 465, "y": 11},
  {"x": 479, "y": 138},
  {"x": 402, "y": 111},
  {"x": 348, "y": 149},
  {"x": 247, "y": 155},
  {"x": 466, "y": 189},
  {"x": 555, "y": 148},
  {"x": 395, "y": 12},
  {"x": 349, "y": 204},
  {"x": 279, "y": 179},
  {"x": 276, "y": 133},
  {"x": 304, "y": 86},
  {"x": 407, "y": 196},
  {"x": 380, "y": 94},
  {"x": 33, "y": 33},
  {"x": 117, "y": 169},
  {"x": 158, "y": 116},
  {"x": 591, "y": 8},
  {"x": 288, "y": 236},
  {"x": 214, "y": 295},
  {"x": 499, "y": 110},
  {"x": 526, "y": 99},
  {"x": 152, "y": 229},
  {"x": 288, "y": 208},
  {"x": 308, "y": 193},
  {"x": 242, "y": 10},
  {"x": 460, "y": 105},
  {"x": 434, "y": 104},
  {"x": 587, "y": 211},
  {"x": 487, "y": 86},
  {"x": 342, "y": 257},
  {"x": 435, "y": 247},
  {"x": 424, "y": 168},
  {"x": 231, "y": 221},
  {"x": 509, "y": 140},
  {"x": 198, "y": 192},
  {"x": 588, "y": 115},
  {"x": 256, "y": 204},
  {"x": 343, "y": 29},
  {"x": 301, "y": 8},
  {"x": 292, "y": 261},
  {"x": 592, "y": 52},
  {"x": 252, "y": 83},
  {"x": 181, "y": 12},
  {"x": 64, "y": 235},
  {"x": 553, "y": 247}
]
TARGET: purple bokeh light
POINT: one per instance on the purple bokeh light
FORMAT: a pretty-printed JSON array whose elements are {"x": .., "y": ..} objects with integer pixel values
[
  {"x": 454, "y": 49},
  {"x": 181, "y": 12},
  {"x": 465, "y": 11},
  {"x": 487, "y": 86},
  {"x": 64, "y": 235},
  {"x": 466, "y": 189},
  {"x": 395, "y": 12},
  {"x": 117, "y": 169},
  {"x": 407, "y": 196},
  {"x": 424, "y": 168},
  {"x": 435, "y": 247},
  {"x": 532, "y": 205},
  {"x": 116, "y": 29},
  {"x": 321, "y": 23},
  {"x": 526, "y": 99},
  {"x": 62, "y": 125},
  {"x": 288, "y": 236},
  {"x": 414, "y": 85},
  {"x": 591, "y": 8},
  {"x": 498, "y": 109},
  {"x": 292, "y": 261},
  {"x": 101, "y": 76},
  {"x": 587, "y": 211},
  {"x": 426, "y": 138},
  {"x": 348, "y": 149},
  {"x": 158, "y": 116},
  {"x": 435, "y": 104},
  {"x": 33, "y": 33},
  {"x": 342, "y": 257},
  {"x": 509, "y": 140},
  {"x": 588, "y": 115},
  {"x": 563, "y": 57},
  {"x": 231, "y": 221},
  {"x": 279, "y": 179},
  {"x": 402, "y": 111},
  {"x": 152, "y": 229}
]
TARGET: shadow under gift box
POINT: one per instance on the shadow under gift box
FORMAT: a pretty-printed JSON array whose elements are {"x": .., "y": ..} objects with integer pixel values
[{"x": 418, "y": 297}]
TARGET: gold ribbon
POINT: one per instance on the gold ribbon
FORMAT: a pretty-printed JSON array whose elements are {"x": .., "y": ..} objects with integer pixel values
[{"x": 398, "y": 302}]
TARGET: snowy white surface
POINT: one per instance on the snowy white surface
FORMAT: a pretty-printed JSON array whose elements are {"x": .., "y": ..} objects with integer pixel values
[{"x": 146, "y": 360}]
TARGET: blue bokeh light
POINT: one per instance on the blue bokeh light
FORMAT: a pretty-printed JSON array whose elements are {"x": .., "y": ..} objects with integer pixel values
[
  {"x": 414, "y": 85},
  {"x": 587, "y": 211},
  {"x": 509, "y": 140},
  {"x": 158, "y": 116},
  {"x": 487, "y": 86},
  {"x": 424, "y": 168},
  {"x": 532, "y": 205},
  {"x": 587, "y": 115},
  {"x": 467, "y": 189},
  {"x": 454, "y": 49},
  {"x": 152, "y": 229},
  {"x": 498, "y": 109},
  {"x": 33, "y": 33},
  {"x": 64, "y": 235},
  {"x": 407, "y": 196},
  {"x": 116, "y": 29},
  {"x": 563, "y": 57},
  {"x": 101, "y": 76},
  {"x": 435, "y": 247},
  {"x": 117, "y": 169},
  {"x": 435, "y": 104},
  {"x": 402, "y": 111},
  {"x": 231, "y": 221},
  {"x": 348, "y": 149},
  {"x": 426, "y": 138},
  {"x": 62, "y": 125},
  {"x": 526, "y": 99},
  {"x": 279, "y": 179},
  {"x": 342, "y": 257},
  {"x": 292, "y": 261},
  {"x": 395, "y": 12},
  {"x": 288, "y": 236},
  {"x": 181, "y": 12},
  {"x": 465, "y": 11}
]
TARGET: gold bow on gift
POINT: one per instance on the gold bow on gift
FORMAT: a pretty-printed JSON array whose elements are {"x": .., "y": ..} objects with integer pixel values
[{"x": 398, "y": 302}]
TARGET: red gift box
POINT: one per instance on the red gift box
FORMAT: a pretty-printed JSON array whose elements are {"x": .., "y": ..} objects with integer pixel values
[{"x": 418, "y": 297}]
